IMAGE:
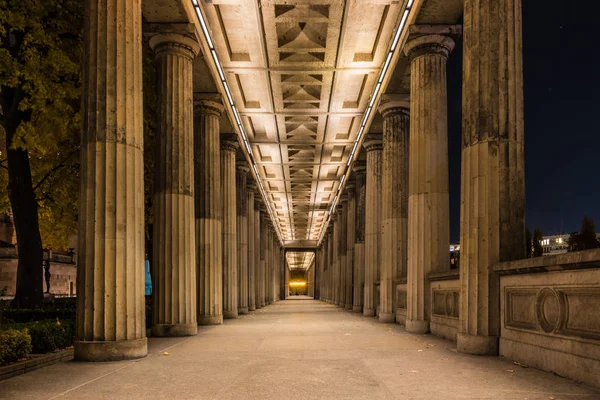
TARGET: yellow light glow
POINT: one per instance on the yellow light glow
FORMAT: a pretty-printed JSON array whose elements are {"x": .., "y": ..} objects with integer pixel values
[{"x": 295, "y": 284}]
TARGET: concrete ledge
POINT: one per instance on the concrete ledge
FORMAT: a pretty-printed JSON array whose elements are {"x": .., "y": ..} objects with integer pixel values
[
  {"x": 111, "y": 350},
  {"x": 38, "y": 361},
  {"x": 387, "y": 318},
  {"x": 444, "y": 276},
  {"x": 581, "y": 369},
  {"x": 558, "y": 262},
  {"x": 445, "y": 331}
]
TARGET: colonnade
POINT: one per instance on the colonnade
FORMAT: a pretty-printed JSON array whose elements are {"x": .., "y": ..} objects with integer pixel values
[
  {"x": 209, "y": 231},
  {"x": 396, "y": 227}
]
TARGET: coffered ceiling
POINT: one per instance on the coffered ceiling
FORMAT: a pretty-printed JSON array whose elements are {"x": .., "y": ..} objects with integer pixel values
[
  {"x": 299, "y": 260},
  {"x": 301, "y": 74}
]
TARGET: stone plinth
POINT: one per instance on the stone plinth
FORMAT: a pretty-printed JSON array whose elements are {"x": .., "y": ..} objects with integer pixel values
[
  {"x": 492, "y": 214},
  {"x": 110, "y": 283},
  {"x": 209, "y": 208},
  {"x": 229, "y": 145},
  {"x": 429, "y": 220},
  {"x": 394, "y": 201},
  {"x": 174, "y": 235},
  {"x": 374, "y": 146}
]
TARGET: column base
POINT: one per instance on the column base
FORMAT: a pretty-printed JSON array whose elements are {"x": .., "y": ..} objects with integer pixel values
[
  {"x": 251, "y": 308},
  {"x": 477, "y": 345},
  {"x": 369, "y": 312},
  {"x": 416, "y": 326},
  {"x": 231, "y": 314},
  {"x": 348, "y": 306},
  {"x": 263, "y": 305},
  {"x": 116, "y": 350},
  {"x": 357, "y": 309},
  {"x": 210, "y": 319},
  {"x": 243, "y": 311},
  {"x": 174, "y": 330},
  {"x": 387, "y": 318}
]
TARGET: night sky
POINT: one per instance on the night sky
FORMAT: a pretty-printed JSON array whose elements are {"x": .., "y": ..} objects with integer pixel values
[{"x": 562, "y": 116}]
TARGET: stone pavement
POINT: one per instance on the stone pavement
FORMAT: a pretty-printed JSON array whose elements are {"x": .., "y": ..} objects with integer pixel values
[{"x": 297, "y": 349}]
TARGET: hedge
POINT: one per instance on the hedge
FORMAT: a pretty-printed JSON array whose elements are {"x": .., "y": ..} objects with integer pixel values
[
  {"x": 47, "y": 335},
  {"x": 14, "y": 345},
  {"x": 27, "y": 315}
]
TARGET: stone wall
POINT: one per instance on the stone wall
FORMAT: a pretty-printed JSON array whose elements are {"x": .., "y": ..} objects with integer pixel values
[
  {"x": 550, "y": 313},
  {"x": 445, "y": 300},
  {"x": 401, "y": 303},
  {"x": 62, "y": 280}
]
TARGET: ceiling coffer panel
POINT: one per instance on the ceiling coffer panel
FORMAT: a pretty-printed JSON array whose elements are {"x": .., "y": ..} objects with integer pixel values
[{"x": 301, "y": 73}]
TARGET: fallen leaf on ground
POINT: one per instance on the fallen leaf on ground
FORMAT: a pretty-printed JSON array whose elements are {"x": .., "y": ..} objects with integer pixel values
[
  {"x": 510, "y": 370},
  {"x": 413, "y": 370},
  {"x": 347, "y": 334},
  {"x": 166, "y": 353},
  {"x": 552, "y": 397},
  {"x": 420, "y": 351},
  {"x": 520, "y": 365},
  {"x": 444, "y": 358}
]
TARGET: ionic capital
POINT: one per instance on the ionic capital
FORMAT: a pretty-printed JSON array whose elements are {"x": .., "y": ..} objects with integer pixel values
[
  {"x": 373, "y": 142},
  {"x": 431, "y": 40},
  {"x": 229, "y": 142},
  {"x": 173, "y": 39},
  {"x": 393, "y": 104},
  {"x": 359, "y": 168},
  {"x": 242, "y": 167},
  {"x": 208, "y": 104}
]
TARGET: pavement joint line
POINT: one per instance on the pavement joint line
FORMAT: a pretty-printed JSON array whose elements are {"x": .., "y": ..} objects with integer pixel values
[{"x": 119, "y": 369}]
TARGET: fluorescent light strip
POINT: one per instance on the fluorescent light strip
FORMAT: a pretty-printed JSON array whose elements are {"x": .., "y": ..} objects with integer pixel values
[
  {"x": 363, "y": 124},
  {"x": 235, "y": 112}
]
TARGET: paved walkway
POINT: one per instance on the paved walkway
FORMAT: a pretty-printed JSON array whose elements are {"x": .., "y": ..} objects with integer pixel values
[{"x": 297, "y": 349}]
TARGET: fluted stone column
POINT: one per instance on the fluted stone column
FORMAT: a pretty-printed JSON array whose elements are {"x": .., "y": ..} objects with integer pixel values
[
  {"x": 359, "y": 170},
  {"x": 241, "y": 178},
  {"x": 229, "y": 145},
  {"x": 374, "y": 146},
  {"x": 174, "y": 236},
  {"x": 269, "y": 262},
  {"x": 351, "y": 237},
  {"x": 492, "y": 214},
  {"x": 335, "y": 259},
  {"x": 257, "y": 251},
  {"x": 428, "y": 218},
  {"x": 110, "y": 280},
  {"x": 331, "y": 256},
  {"x": 263, "y": 257},
  {"x": 209, "y": 209},
  {"x": 342, "y": 242},
  {"x": 394, "y": 201},
  {"x": 251, "y": 189}
]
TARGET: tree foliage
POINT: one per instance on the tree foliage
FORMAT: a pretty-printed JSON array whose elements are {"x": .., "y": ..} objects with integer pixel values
[
  {"x": 586, "y": 238},
  {"x": 40, "y": 61},
  {"x": 528, "y": 243},
  {"x": 40, "y": 85}
]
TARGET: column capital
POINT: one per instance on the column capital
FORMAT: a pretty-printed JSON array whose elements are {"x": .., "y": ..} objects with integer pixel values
[
  {"x": 229, "y": 142},
  {"x": 242, "y": 167},
  {"x": 208, "y": 103},
  {"x": 373, "y": 141},
  {"x": 350, "y": 186},
  {"x": 359, "y": 168},
  {"x": 392, "y": 104},
  {"x": 173, "y": 38},
  {"x": 251, "y": 185},
  {"x": 431, "y": 39}
]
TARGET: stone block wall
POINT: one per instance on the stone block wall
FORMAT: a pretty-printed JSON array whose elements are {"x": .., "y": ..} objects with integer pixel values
[
  {"x": 444, "y": 307},
  {"x": 62, "y": 280},
  {"x": 550, "y": 314}
]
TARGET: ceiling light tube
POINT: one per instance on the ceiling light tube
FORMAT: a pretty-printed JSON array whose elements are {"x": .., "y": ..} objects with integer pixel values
[
  {"x": 228, "y": 93},
  {"x": 388, "y": 60},
  {"x": 204, "y": 27},
  {"x": 400, "y": 29},
  {"x": 218, "y": 64}
]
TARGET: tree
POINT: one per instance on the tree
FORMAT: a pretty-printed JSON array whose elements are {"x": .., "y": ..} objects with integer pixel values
[
  {"x": 40, "y": 80},
  {"x": 586, "y": 238},
  {"x": 538, "y": 250},
  {"x": 528, "y": 243}
]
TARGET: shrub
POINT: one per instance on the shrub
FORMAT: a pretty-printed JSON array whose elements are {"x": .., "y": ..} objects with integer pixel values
[
  {"x": 14, "y": 345},
  {"x": 47, "y": 335},
  {"x": 27, "y": 315}
]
